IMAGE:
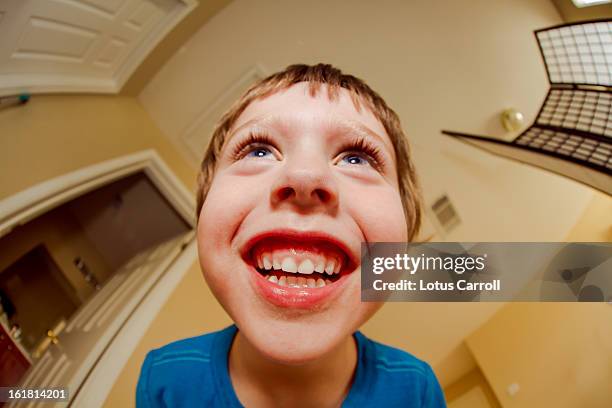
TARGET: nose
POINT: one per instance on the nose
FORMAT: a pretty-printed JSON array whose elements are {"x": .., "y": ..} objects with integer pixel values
[{"x": 307, "y": 185}]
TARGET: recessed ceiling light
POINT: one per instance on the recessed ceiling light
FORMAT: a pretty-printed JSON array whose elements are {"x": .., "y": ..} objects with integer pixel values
[{"x": 588, "y": 3}]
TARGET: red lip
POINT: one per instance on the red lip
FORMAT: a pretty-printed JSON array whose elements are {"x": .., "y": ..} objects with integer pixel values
[
  {"x": 290, "y": 297},
  {"x": 305, "y": 236},
  {"x": 300, "y": 298}
]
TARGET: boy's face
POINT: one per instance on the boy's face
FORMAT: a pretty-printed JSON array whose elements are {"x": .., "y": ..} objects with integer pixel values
[{"x": 300, "y": 183}]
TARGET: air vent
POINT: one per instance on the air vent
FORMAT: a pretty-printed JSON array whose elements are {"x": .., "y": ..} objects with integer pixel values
[{"x": 445, "y": 213}]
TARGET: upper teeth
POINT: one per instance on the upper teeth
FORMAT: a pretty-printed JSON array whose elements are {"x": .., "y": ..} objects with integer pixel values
[{"x": 305, "y": 265}]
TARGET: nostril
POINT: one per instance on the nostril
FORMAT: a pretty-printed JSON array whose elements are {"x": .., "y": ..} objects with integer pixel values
[
  {"x": 323, "y": 195},
  {"x": 304, "y": 191},
  {"x": 284, "y": 193}
]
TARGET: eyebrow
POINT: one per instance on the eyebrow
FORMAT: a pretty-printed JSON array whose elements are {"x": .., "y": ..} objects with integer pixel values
[
  {"x": 348, "y": 124},
  {"x": 247, "y": 124}
]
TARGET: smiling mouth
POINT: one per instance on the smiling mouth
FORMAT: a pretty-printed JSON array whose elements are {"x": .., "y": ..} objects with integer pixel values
[{"x": 299, "y": 262}]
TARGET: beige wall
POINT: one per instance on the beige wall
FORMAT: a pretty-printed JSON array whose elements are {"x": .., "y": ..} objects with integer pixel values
[
  {"x": 54, "y": 135},
  {"x": 174, "y": 40},
  {"x": 559, "y": 354},
  {"x": 444, "y": 64}
]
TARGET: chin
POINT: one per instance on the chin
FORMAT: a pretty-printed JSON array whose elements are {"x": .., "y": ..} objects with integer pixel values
[{"x": 294, "y": 342}]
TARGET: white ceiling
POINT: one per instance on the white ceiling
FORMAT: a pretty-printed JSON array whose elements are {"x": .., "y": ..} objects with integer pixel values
[{"x": 79, "y": 45}]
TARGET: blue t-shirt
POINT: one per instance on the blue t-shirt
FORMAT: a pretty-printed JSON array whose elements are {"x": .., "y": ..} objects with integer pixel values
[{"x": 194, "y": 373}]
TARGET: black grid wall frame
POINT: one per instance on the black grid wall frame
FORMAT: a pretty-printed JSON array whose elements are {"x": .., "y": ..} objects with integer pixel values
[
  {"x": 578, "y": 53},
  {"x": 581, "y": 110},
  {"x": 582, "y": 150},
  {"x": 576, "y": 125},
  {"x": 572, "y": 133}
]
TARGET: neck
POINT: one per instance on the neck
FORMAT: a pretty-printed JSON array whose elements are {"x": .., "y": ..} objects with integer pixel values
[{"x": 259, "y": 381}]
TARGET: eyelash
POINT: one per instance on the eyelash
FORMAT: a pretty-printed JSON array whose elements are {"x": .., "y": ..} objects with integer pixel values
[
  {"x": 361, "y": 145},
  {"x": 253, "y": 141}
]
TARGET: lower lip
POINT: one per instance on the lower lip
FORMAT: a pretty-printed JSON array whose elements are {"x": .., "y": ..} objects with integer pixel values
[{"x": 299, "y": 298}]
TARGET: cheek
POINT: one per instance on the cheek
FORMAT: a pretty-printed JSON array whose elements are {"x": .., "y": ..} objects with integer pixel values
[
  {"x": 222, "y": 213},
  {"x": 226, "y": 205},
  {"x": 379, "y": 213}
]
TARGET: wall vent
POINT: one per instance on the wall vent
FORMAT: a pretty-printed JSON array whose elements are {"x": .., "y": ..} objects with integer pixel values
[{"x": 445, "y": 213}]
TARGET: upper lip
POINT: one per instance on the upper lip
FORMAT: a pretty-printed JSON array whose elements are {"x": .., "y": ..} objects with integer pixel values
[{"x": 303, "y": 236}]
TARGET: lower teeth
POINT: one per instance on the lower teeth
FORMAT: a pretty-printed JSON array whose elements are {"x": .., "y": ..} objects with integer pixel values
[{"x": 298, "y": 282}]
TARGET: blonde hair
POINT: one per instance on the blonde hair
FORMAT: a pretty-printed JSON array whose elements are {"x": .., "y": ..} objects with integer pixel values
[{"x": 334, "y": 79}]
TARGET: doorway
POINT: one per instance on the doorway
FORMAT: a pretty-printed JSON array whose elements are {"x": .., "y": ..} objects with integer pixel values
[{"x": 79, "y": 263}]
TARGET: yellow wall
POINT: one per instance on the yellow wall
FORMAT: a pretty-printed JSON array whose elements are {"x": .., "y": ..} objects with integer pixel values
[
  {"x": 473, "y": 379},
  {"x": 595, "y": 224},
  {"x": 560, "y": 354},
  {"x": 54, "y": 135},
  {"x": 190, "y": 311}
]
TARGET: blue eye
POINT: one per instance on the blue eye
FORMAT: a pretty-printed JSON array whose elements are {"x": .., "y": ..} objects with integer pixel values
[
  {"x": 354, "y": 159},
  {"x": 259, "y": 152}
]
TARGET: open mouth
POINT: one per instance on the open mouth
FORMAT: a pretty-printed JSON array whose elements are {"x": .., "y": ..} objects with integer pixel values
[{"x": 299, "y": 262}]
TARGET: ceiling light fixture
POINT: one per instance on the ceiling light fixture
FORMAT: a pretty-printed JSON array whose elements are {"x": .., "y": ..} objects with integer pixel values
[{"x": 589, "y": 3}]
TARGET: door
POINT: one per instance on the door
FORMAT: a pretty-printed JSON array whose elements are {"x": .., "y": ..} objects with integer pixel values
[
  {"x": 74, "y": 351},
  {"x": 79, "y": 45}
]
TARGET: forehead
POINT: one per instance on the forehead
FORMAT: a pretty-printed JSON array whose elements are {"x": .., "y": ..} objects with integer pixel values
[{"x": 296, "y": 104}]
